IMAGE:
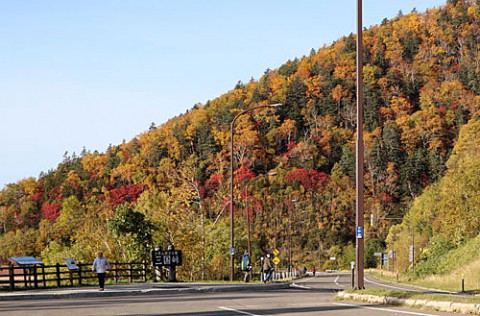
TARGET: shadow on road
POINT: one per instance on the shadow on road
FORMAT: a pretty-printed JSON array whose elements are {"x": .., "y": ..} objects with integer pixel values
[{"x": 268, "y": 311}]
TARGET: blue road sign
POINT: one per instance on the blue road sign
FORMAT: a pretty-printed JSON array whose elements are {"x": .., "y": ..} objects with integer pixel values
[{"x": 359, "y": 231}]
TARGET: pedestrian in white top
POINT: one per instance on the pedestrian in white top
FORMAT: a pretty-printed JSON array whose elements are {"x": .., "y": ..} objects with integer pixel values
[{"x": 101, "y": 265}]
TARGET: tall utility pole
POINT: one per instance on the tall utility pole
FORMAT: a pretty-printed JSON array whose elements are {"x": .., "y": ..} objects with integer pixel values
[{"x": 359, "y": 233}]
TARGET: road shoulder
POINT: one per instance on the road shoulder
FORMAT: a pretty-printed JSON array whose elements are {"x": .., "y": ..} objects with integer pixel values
[{"x": 444, "y": 306}]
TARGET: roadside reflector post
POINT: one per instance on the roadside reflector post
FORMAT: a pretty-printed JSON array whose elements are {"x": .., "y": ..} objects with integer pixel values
[{"x": 352, "y": 267}]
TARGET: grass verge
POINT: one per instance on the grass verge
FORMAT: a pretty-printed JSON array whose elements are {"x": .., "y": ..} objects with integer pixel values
[{"x": 470, "y": 299}]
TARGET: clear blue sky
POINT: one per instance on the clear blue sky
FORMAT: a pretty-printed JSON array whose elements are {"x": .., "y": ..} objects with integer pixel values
[{"x": 91, "y": 73}]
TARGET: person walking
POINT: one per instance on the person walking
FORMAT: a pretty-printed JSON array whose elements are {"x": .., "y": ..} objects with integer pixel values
[
  {"x": 267, "y": 268},
  {"x": 246, "y": 266},
  {"x": 101, "y": 265}
]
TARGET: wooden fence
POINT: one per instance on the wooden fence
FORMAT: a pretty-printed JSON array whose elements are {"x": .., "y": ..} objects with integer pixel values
[{"x": 14, "y": 277}]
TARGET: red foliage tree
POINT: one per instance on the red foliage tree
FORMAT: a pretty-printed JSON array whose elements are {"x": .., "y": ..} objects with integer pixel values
[
  {"x": 243, "y": 173},
  {"x": 51, "y": 211},
  {"x": 127, "y": 193},
  {"x": 37, "y": 196},
  {"x": 212, "y": 184},
  {"x": 291, "y": 145},
  {"x": 309, "y": 179}
]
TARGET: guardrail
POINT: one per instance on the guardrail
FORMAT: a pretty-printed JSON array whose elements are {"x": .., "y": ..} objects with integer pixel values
[
  {"x": 280, "y": 276},
  {"x": 14, "y": 277}
]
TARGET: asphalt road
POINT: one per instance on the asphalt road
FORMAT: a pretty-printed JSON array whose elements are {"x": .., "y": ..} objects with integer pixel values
[
  {"x": 343, "y": 281},
  {"x": 309, "y": 296}
]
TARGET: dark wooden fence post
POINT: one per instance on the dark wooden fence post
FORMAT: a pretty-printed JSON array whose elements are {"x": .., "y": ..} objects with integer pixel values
[
  {"x": 130, "y": 267},
  {"x": 25, "y": 277},
  {"x": 35, "y": 276},
  {"x": 115, "y": 269},
  {"x": 79, "y": 273},
  {"x": 43, "y": 277},
  {"x": 11, "y": 274},
  {"x": 57, "y": 274}
]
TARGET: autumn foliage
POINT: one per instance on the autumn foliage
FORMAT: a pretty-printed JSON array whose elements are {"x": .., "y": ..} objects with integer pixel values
[
  {"x": 421, "y": 89},
  {"x": 51, "y": 211},
  {"x": 125, "y": 194},
  {"x": 309, "y": 179}
]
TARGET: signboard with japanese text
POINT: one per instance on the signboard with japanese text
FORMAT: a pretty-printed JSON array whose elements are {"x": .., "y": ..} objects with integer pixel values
[{"x": 162, "y": 258}]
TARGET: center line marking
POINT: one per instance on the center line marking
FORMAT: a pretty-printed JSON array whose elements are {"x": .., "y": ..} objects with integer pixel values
[{"x": 336, "y": 281}]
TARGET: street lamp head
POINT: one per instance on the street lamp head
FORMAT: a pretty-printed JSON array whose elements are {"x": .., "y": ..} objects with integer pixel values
[{"x": 275, "y": 105}]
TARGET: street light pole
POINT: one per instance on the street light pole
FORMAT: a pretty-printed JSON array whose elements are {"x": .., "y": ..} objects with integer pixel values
[
  {"x": 249, "y": 247},
  {"x": 290, "y": 236},
  {"x": 359, "y": 254},
  {"x": 232, "y": 231}
]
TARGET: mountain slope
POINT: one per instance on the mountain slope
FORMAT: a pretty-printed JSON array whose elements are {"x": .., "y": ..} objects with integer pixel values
[
  {"x": 294, "y": 167},
  {"x": 446, "y": 216}
]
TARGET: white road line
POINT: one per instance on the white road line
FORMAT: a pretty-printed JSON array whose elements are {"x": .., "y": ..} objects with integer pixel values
[
  {"x": 301, "y": 286},
  {"x": 386, "y": 309},
  {"x": 391, "y": 286},
  {"x": 336, "y": 281},
  {"x": 406, "y": 289},
  {"x": 237, "y": 311}
]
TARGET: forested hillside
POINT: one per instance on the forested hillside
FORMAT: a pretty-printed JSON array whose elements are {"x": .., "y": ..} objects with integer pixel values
[
  {"x": 294, "y": 165},
  {"x": 447, "y": 215}
]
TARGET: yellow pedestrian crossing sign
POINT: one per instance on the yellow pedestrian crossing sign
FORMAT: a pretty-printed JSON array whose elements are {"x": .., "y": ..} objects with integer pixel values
[
  {"x": 276, "y": 260},
  {"x": 276, "y": 252}
]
